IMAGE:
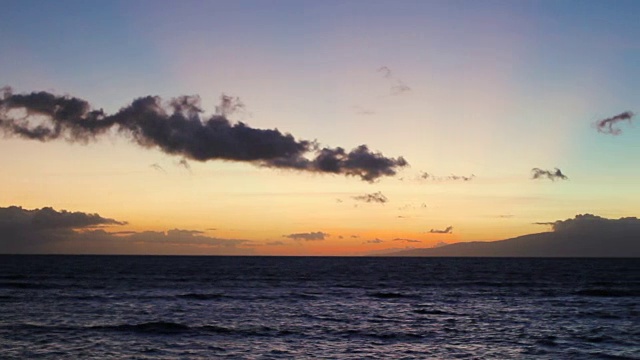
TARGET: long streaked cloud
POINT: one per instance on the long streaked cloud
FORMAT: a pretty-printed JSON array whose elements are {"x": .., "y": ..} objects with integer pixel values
[
  {"x": 275, "y": 243},
  {"x": 178, "y": 127},
  {"x": 427, "y": 176},
  {"x": 447, "y": 230},
  {"x": 407, "y": 240},
  {"x": 47, "y": 230},
  {"x": 376, "y": 197},
  {"x": 537, "y": 173},
  {"x": 310, "y": 236},
  {"x": 607, "y": 126}
]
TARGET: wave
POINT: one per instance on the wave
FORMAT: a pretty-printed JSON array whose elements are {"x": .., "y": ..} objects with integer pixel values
[
  {"x": 24, "y": 285},
  {"x": 201, "y": 296},
  {"x": 173, "y": 328},
  {"x": 380, "y": 335},
  {"x": 432, "y": 312},
  {"x": 597, "y": 292},
  {"x": 392, "y": 295},
  {"x": 155, "y": 327}
]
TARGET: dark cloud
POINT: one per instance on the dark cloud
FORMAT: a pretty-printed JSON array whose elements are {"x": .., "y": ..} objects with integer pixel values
[
  {"x": 17, "y": 218},
  {"x": 448, "y": 230},
  {"x": 373, "y": 241},
  {"x": 606, "y": 126},
  {"x": 537, "y": 173},
  {"x": 377, "y": 197},
  {"x": 407, "y": 240},
  {"x": 183, "y": 237},
  {"x": 177, "y": 127},
  {"x": 360, "y": 162},
  {"x": 50, "y": 231},
  {"x": 34, "y": 230},
  {"x": 310, "y": 236},
  {"x": 585, "y": 223}
]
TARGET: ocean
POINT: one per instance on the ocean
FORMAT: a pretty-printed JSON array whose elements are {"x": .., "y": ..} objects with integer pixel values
[{"x": 163, "y": 307}]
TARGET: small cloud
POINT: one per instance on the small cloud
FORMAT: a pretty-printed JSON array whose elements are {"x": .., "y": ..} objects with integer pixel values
[
  {"x": 440, "y": 244},
  {"x": 275, "y": 243},
  {"x": 537, "y": 173},
  {"x": 400, "y": 88},
  {"x": 448, "y": 230},
  {"x": 373, "y": 241},
  {"x": 122, "y": 232},
  {"x": 463, "y": 178},
  {"x": 386, "y": 72},
  {"x": 426, "y": 176},
  {"x": 544, "y": 223},
  {"x": 407, "y": 240},
  {"x": 362, "y": 111},
  {"x": 157, "y": 167},
  {"x": 340, "y": 237},
  {"x": 355, "y": 236},
  {"x": 606, "y": 126},
  {"x": 377, "y": 197},
  {"x": 183, "y": 162},
  {"x": 229, "y": 105},
  {"x": 310, "y": 236},
  {"x": 505, "y": 216}
]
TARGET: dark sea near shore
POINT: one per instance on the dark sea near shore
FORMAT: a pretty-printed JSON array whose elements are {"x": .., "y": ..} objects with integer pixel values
[{"x": 154, "y": 307}]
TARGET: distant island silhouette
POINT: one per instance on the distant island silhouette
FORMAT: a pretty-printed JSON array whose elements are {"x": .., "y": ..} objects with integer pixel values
[{"x": 583, "y": 236}]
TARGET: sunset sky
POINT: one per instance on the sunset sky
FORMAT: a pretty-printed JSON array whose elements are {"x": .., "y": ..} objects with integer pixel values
[{"x": 475, "y": 94}]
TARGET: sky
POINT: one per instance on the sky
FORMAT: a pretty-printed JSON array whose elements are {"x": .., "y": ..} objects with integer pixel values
[{"x": 480, "y": 121}]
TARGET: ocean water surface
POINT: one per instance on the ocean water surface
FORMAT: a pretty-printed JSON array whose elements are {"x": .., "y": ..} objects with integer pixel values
[{"x": 156, "y": 307}]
